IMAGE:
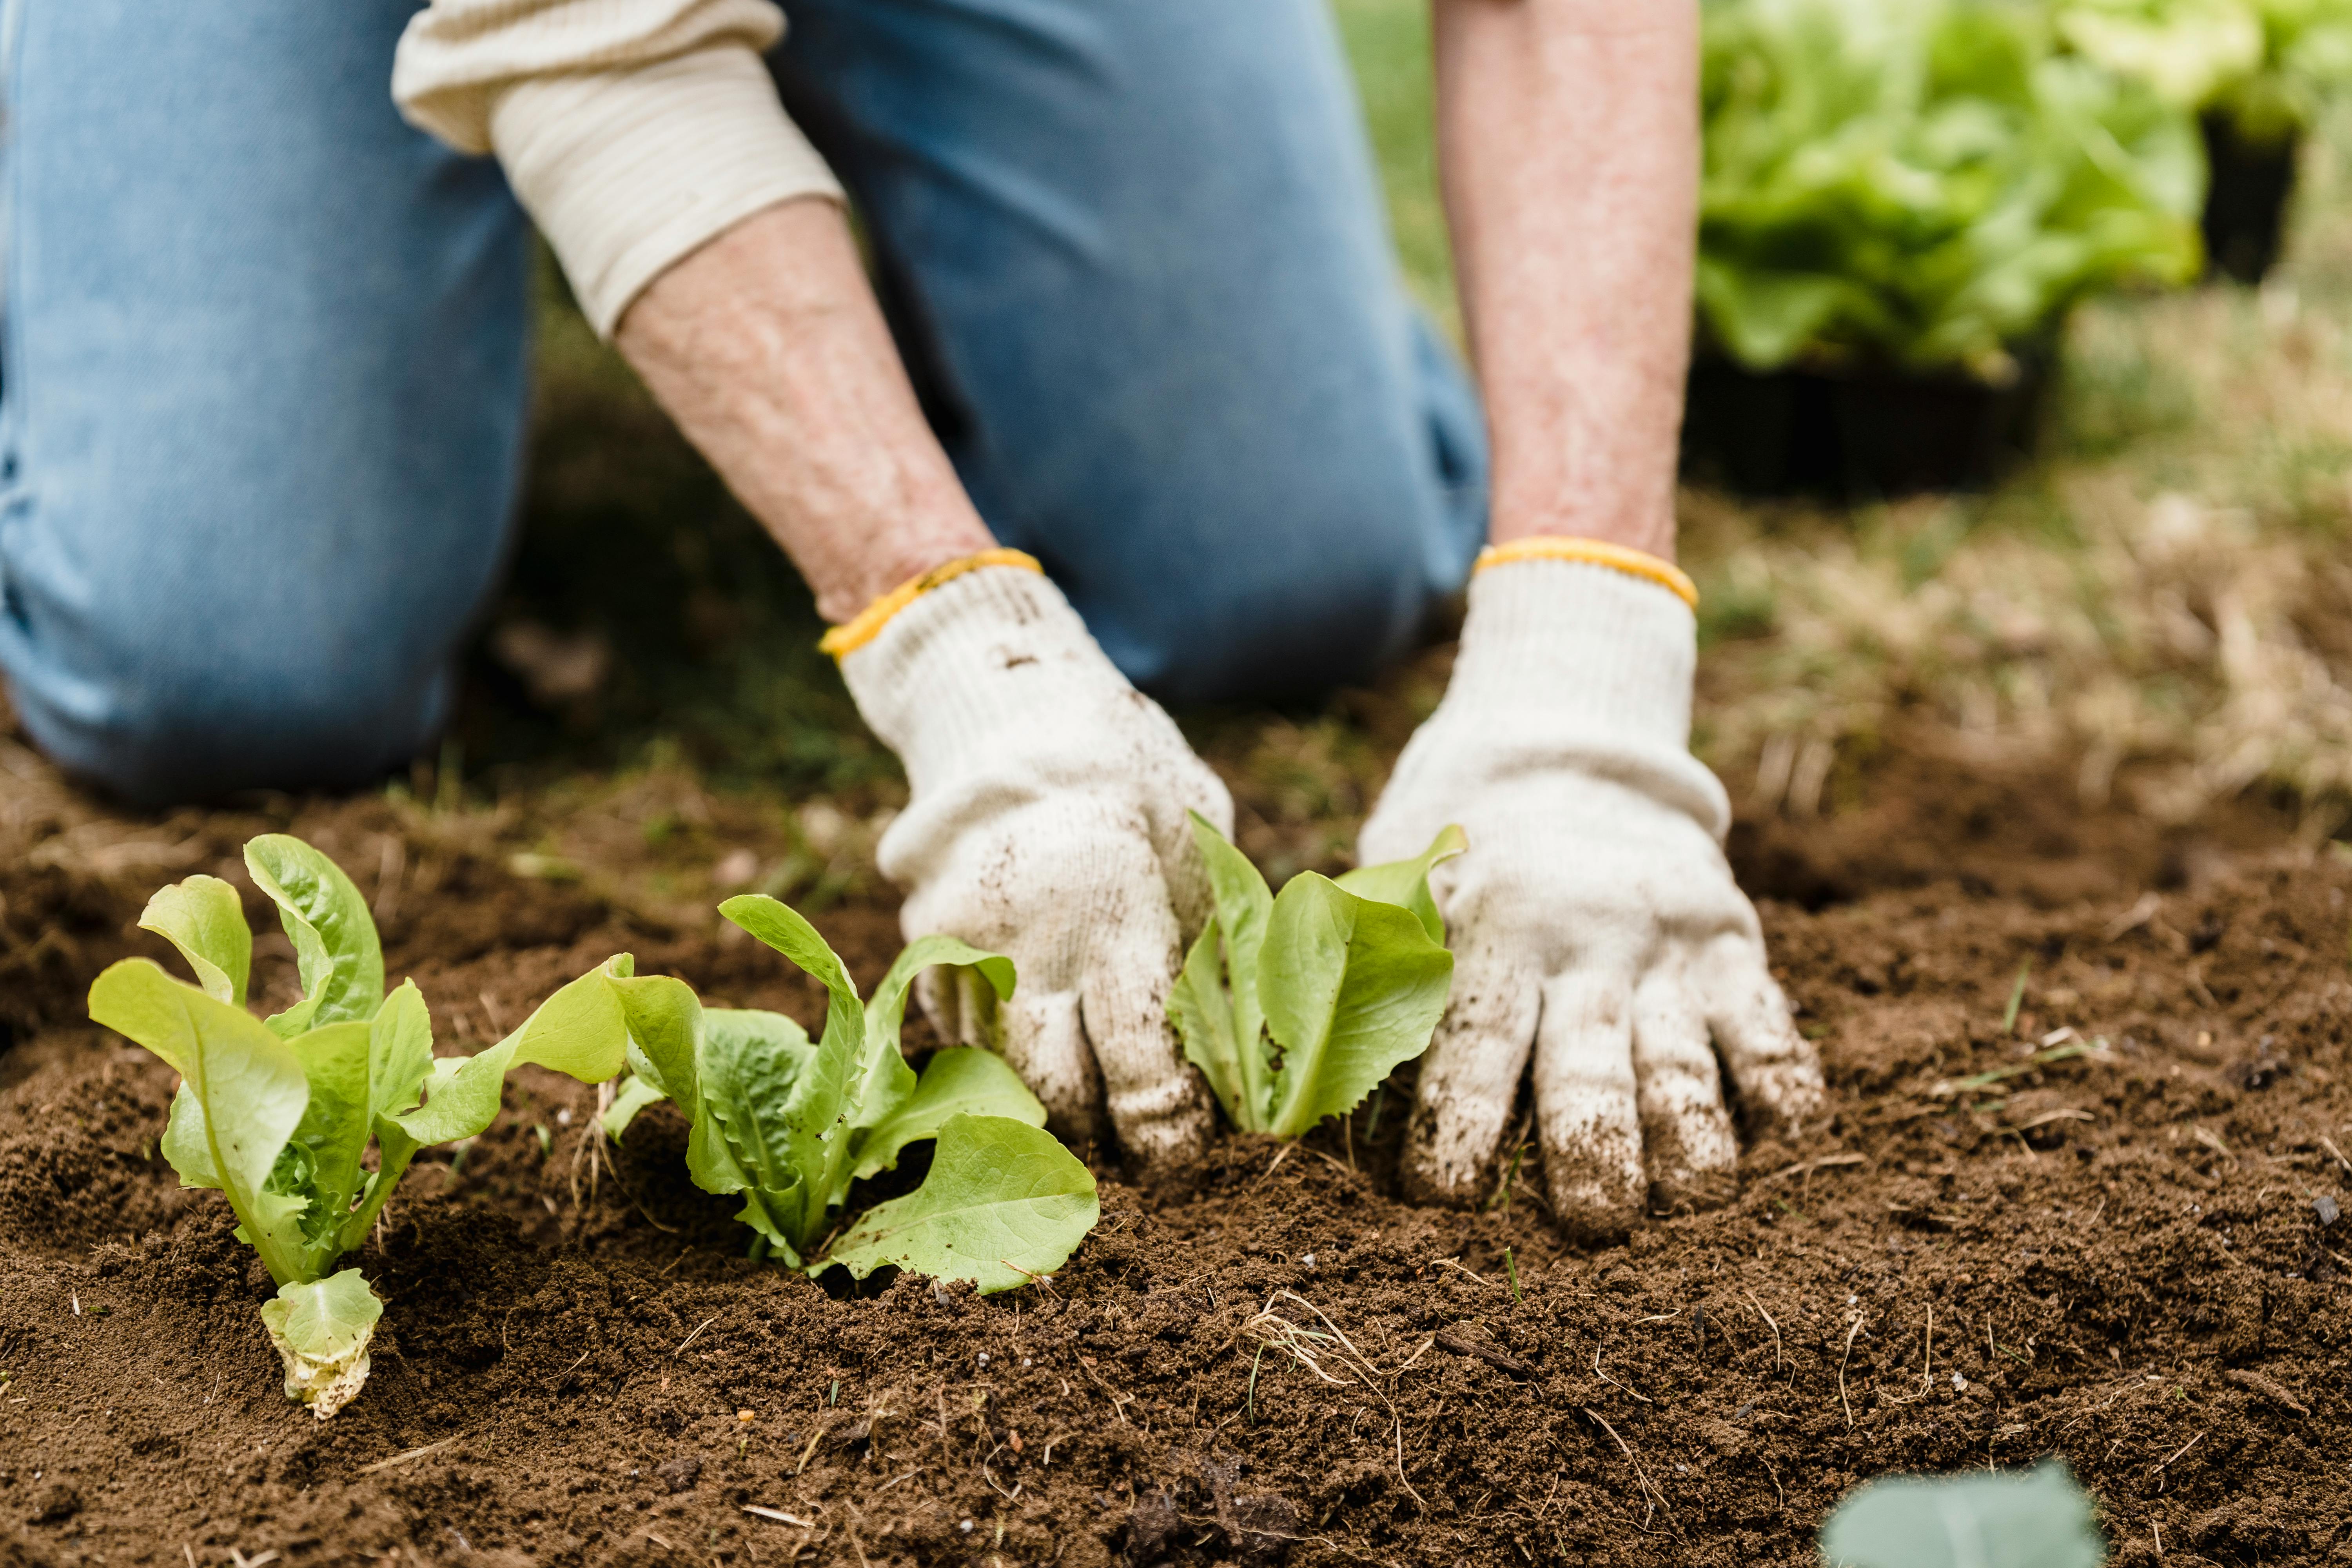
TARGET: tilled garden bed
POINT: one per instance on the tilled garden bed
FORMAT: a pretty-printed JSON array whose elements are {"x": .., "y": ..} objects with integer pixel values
[{"x": 2110, "y": 1230}]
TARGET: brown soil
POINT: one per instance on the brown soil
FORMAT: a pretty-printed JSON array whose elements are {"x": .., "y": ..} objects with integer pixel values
[{"x": 2120, "y": 1259}]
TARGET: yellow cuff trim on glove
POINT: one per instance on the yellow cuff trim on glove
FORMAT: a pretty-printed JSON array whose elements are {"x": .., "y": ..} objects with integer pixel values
[
  {"x": 866, "y": 625},
  {"x": 1594, "y": 552}
]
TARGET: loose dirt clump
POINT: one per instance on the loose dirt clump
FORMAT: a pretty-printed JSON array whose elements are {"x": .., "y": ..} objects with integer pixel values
[{"x": 2111, "y": 1227}]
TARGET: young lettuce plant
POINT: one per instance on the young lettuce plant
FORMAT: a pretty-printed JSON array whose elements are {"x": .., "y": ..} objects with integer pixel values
[
  {"x": 789, "y": 1124},
  {"x": 1294, "y": 1007},
  {"x": 277, "y": 1113}
]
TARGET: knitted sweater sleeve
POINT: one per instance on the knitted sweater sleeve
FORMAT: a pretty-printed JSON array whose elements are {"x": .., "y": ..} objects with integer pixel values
[{"x": 634, "y": 131}]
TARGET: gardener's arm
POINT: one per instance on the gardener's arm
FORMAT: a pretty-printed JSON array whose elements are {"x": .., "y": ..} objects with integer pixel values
[
  {"x": 1047, "y": 818},
  {"x": 1568, "y": 134},
  {"x": 1595, "y": 922}
]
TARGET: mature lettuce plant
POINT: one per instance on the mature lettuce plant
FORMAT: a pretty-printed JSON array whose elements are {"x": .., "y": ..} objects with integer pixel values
[
  {"x": 1294, "y": 1007},
  {"x": 277, "y": 1114},
  {"x": 2270, "y": 67},
  {"x": 1924, "y": 184},
  {"x": 789, "y": 1124}
]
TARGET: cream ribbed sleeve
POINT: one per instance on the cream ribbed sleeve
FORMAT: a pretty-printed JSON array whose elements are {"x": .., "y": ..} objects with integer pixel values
[{"x": 634, "y": 131}]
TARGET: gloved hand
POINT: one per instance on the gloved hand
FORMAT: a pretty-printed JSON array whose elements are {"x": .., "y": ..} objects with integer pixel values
[
  {"x": 1049, "y": 824},
  {"x": 1593, "y": 917}
]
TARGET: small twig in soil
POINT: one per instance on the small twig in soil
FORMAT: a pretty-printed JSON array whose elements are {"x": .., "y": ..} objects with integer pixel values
[
  {"x": 1460, "y": 1346},
  {"x": 1119, "y": 1402},
  {"x": 1280, "y": 1155},
  {"x": 1013, "y": 1496},
  {"x": 2178, "y": 1452},
  {"x": 690, "y": 1338},
  {"x": 779, "y": 1515},
  {"x": 1649, "y": 1490},
  {"x": 1612, "y": 1382},
  {"x": 1044, "y": 1281},
  {"x": 1473, "y": 1274},
  {"x": 1807, "y": 1167},
  {"x": 1854, "y": 1327},
  {"x": 2132, "y": 919},
  {"x": 1779, "y": 1359},
  {"x": 2332, "y": 1149},
  {"x": 2213, "y": 1144},
  {"x": 404, "y": 1459},
  {"x": 2258, "y": 1383}
]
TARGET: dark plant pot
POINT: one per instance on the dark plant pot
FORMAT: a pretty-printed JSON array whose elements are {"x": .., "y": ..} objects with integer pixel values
[
  {"x": 2245, "y": 203},
  {"x": 1858, "y": 435}
]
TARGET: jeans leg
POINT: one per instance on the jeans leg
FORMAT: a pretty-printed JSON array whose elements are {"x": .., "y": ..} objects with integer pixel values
[
  {"x": 1136, "y": 254},
  {"x": 265, "y": 368}
]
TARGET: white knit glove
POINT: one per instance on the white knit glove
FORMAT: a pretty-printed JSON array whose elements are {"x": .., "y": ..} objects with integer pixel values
[
  {"x": 1593, "y": 918},
  {"x": 1047, "y": 824}
]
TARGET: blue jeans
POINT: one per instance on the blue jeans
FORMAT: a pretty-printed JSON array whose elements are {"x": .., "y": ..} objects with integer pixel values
[{"x": 265, "y": 358}]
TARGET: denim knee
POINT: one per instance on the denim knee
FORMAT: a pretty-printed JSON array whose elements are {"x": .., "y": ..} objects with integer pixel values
[{"x": 167, "y": 723}]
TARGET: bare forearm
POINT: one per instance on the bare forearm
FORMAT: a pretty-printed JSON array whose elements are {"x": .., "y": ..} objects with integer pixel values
[
  {"x": 768, "y": 348},
  {"x": 1569, "y": 143}
]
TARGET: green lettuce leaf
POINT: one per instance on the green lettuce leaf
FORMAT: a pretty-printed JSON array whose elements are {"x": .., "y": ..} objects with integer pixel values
[
  {"x": 1341, "y": 994},
  {"x": 1405, "y": 883},
  {"x": 2039, "y": 1520},
  {"x": 335, "y": 947},
  {"x": 634, "y": 1095},
  {"x": 751, "y": 1061},
  {"x": 580, "y": 1031},
  {"x": 1005, "y": 1203},
  {"x": 245, "y": 1086},
  {"x": 205, "y": 920},
  {"x": 959, "y": 1082},
  {"x": 400, "y": 1056},
  {"x": 888, "y": 1079},
  {"x": 1353, "y": 988},
  {"x": 817, "y": 1120}
]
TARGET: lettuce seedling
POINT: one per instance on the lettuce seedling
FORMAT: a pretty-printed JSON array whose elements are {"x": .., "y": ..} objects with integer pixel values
[
  {"x": 277, "y": 1114},
  {"x": 789, "y": 1124},
  {"x": 1295, "y": 1007}
]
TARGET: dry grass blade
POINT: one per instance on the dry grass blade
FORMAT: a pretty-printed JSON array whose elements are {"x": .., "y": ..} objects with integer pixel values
[
  {"x": 1852, "y": 1327},
  {"x": 1619, "y": 1386},
  {"x": 779, "y": 1515},
  {"x": 1311, "y": 1348},
  {"x": 404, "y": 1459},
  {"x": 1649, "y": 1488},
  {"x": 1779, "y": 1359}
]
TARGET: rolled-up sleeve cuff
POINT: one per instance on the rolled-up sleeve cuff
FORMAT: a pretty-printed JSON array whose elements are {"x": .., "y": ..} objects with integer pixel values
[{"x": 627, "y": 171}]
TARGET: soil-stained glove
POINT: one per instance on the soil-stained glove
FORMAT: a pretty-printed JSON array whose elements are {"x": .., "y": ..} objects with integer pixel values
[
  {"x": 1595, "y": 918},
  {"x": 1049, "y": 824}
]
